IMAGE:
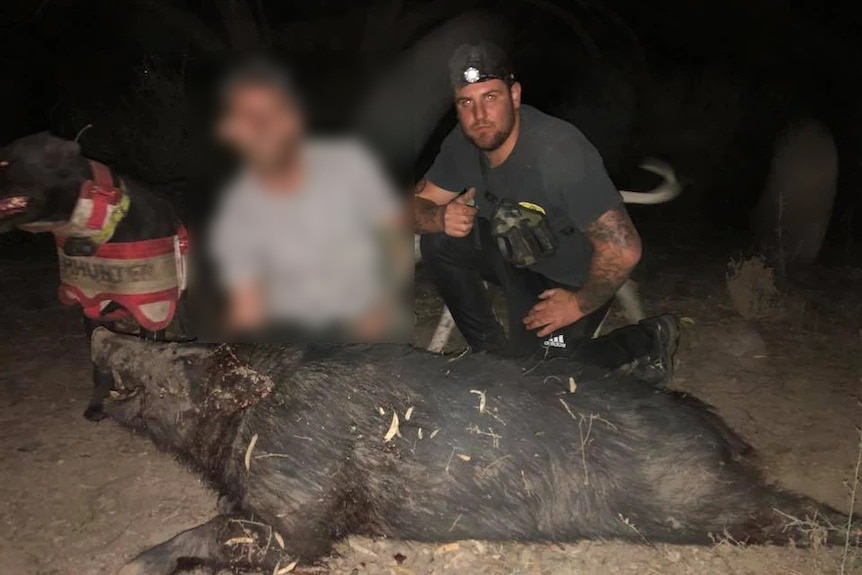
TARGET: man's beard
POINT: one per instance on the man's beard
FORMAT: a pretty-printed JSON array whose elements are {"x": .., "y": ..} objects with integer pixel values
[
  {"x": 493, "y": 140},
  {"x": 283, "y": 159}
]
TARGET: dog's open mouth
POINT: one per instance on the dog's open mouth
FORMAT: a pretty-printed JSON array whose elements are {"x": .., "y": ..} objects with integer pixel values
[{"x": 13, "y": 205}]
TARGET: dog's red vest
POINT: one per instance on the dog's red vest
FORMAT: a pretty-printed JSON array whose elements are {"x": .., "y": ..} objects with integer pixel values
[{"x": 146, "y": 277}]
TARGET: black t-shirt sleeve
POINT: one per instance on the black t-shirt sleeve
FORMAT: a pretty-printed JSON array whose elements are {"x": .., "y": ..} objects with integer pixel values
[
  {"x": 445, "y": 172},
  {"x": 576, "y": 176}
]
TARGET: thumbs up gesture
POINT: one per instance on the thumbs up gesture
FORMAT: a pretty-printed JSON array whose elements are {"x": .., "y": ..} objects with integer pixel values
[{"x": 460, "y": 213}]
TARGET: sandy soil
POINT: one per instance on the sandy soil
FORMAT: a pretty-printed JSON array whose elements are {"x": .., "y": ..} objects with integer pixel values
[{"x": 82, "y": 498}]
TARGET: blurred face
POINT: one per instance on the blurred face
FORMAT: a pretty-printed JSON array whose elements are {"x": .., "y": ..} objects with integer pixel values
[
  {"x": 263, "y": 126},
  {"x": 486, "y": 111}
]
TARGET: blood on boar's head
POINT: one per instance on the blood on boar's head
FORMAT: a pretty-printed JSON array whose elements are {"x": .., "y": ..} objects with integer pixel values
[
  {"x": 40, "y": 178},
  {"x": 182, "y": 395}
]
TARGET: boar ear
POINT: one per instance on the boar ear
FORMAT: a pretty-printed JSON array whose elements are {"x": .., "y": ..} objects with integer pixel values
[{"x": 233, "y": 385}]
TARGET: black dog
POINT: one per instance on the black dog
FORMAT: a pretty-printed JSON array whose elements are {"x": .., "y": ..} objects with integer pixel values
[{"x": 46, "y": 184}]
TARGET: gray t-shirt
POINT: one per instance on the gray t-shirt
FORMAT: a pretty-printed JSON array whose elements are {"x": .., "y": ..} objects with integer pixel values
[
  {"x": 552, "y": 165},
  {"x": 315, "y": 249}
]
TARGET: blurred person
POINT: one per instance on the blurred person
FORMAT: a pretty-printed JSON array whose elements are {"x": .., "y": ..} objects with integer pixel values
[
  {"x": 522, "y": 199},
  {"x": 308, "y": 234}
]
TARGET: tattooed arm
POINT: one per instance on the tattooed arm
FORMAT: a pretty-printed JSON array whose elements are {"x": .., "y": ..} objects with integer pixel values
[
  {"x": 427, "y": 214},
  {"x": 616, "y": 251},
  {"x": 439, "y": 210}
]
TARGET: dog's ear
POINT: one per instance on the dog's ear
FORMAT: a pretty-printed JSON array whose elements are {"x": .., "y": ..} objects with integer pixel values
[{"x": 57, "y": 149}]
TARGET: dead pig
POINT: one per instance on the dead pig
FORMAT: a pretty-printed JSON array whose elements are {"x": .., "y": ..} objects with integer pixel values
[{"x": 311, "y": 444}]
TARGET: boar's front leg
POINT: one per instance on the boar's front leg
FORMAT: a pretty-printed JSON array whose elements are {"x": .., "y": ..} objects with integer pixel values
[
  {"x": 223, "y": 542},
  {"x": 198, "y": 545},
  {"x": 103, "y": 381}
]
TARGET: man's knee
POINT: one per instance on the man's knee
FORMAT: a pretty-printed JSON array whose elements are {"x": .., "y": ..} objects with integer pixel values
[{"x": 434, "y": 246}]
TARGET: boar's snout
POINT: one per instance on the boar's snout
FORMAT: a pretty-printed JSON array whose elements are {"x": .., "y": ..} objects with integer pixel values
[
  {"x": 104, "y": 345},
  {"x": 166, "y": 368},
  {"x": 153, "y": 382}
]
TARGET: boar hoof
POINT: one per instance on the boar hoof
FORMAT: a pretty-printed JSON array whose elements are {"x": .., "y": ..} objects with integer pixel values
[{"x": 95, "y": 413}]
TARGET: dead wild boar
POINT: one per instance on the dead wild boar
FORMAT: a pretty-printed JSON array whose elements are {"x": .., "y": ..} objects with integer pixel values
[{"x": 310, "y": 444}]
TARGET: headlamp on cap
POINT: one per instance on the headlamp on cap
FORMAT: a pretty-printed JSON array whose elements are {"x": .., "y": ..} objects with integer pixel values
[
  {"x": 473, "y": 64},
  {"x": 472, "y": 75}
]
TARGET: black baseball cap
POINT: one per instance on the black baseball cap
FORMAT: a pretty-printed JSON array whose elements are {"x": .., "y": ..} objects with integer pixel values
[{"x": 471, "y": 64}]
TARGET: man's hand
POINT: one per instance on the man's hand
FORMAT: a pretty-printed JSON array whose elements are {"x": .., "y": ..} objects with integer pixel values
[
  {"x": 556, "y": 309},
  {"x": 245, "y": 307},
  {"x": 374, "y": 326},
  {"x": 616, "y": 250},
  {"x": 459, "y": 215},
  {"x": 438, "y": 210}
]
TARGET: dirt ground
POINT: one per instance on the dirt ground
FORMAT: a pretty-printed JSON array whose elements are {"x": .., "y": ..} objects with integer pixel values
[{"x": 82, "y": 498}]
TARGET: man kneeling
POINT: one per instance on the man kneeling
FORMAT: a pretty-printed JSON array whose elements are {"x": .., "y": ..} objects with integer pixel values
[{"x": 540, "y": 217}]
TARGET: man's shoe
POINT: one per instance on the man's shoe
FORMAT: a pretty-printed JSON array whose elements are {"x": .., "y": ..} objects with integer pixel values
[
  {"x": 461, "y": 353},
  {"x": 657, "y": 368},
  {"x": 457, "y": 354}
]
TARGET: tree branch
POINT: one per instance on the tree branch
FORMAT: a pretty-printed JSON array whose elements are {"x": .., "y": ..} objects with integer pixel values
[
  {"x": 199, "y": 33},
  {"x": 240, "y": 23}
]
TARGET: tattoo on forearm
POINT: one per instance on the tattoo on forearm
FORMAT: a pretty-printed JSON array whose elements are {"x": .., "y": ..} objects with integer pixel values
[
  {"x": 426, "y": 214},
  {"x": 605, "y": 280},
  {"x": 616, "y": 245},
  {"x": 615, "y": 227}
]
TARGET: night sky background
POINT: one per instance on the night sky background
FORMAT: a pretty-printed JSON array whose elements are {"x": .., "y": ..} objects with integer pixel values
[{"x": 705, "y": 85}]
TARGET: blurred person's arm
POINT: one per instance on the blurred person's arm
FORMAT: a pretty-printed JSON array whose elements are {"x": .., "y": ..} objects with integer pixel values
[
  {"x": 390, "y": 224},
  {"x": 232, "y": 250}
]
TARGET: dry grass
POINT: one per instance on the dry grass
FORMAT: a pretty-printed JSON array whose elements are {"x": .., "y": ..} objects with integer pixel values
[
  {"x": 816, "y": 530},
  {"x": 851, "y": 534},
  {"x": 751, "y": 287}
]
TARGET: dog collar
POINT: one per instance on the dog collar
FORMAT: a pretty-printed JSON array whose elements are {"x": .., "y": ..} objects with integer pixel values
[{"x": 101, "y": 206}]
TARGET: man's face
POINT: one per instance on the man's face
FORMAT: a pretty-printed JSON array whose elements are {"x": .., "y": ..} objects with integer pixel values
[
  {"x": 263, "y": 126},
  {"x": 486, "y": 111}
]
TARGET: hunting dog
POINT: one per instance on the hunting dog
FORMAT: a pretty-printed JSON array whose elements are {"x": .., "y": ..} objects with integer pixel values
[{"x": 120, "y": 245}]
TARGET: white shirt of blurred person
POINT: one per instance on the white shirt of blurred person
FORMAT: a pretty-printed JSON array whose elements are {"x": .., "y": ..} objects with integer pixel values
[{"x": 302, "y": 233}]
